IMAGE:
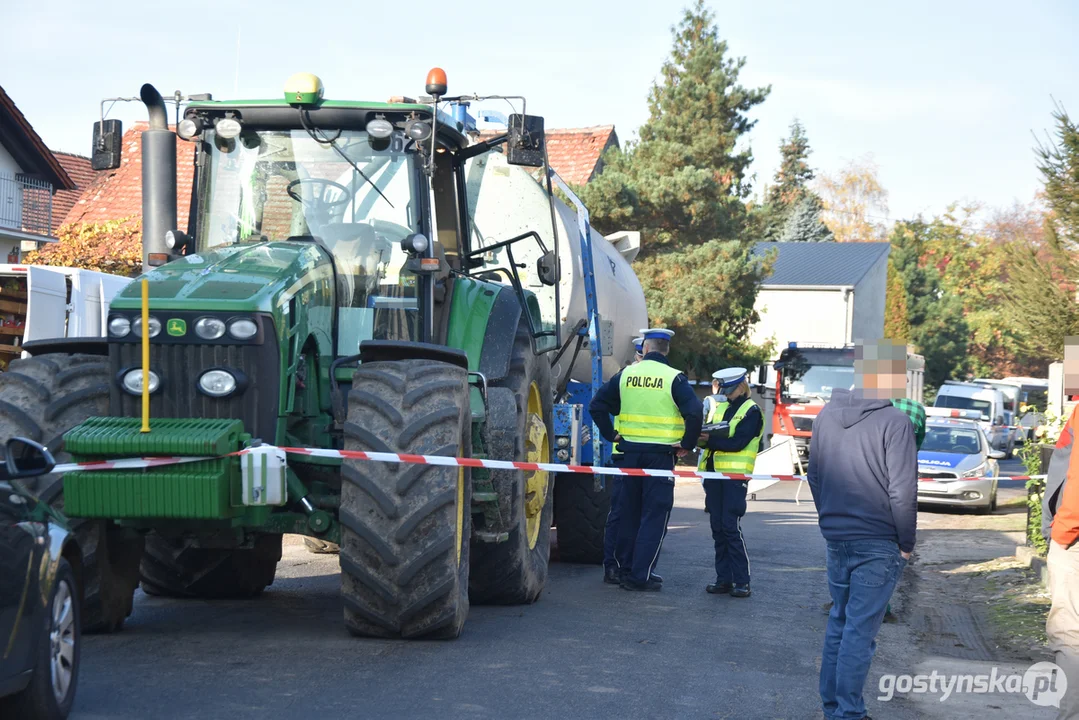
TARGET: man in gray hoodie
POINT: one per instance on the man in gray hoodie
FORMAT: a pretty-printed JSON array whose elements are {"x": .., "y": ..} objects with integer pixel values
[{"x": 863, "y": 472}]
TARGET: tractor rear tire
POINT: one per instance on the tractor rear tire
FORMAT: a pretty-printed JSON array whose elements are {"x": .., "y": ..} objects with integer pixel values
[
  {"x": 41, "y": 398},
  {"x": 405, "y": 528},
  {"x": 321, "y": 547},
  {"x": 580, "y": 517},
  {"x": 514, "y": 572},
  {"x": 174, "y": 568}
]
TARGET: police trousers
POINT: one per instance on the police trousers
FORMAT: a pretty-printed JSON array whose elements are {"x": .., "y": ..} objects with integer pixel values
[
  {"x": 726, "y": 504},
  {"x": 646, "y": 504}
]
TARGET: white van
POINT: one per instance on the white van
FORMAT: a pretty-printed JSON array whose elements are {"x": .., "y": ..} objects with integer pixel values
[{"x": 989, "y": 402}]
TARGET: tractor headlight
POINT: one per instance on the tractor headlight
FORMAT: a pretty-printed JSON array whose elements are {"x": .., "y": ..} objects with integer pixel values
[
  {"x": 132, "y": 381},
  {"x": 217, "y": 383},
  {"x": 228, "y": 128},
  {"x": 155, "y": 326},
  {"x": 209, "y": 328},
  {"x": 119, "y": 326},
  {"x": 243, "y": 329}
]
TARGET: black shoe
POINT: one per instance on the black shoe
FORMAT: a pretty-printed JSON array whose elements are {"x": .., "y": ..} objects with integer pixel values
[
  {"x": 655, "y": 578},
  {"x": 612, "y": 576},
  {"x": 717, "y": 588},
  {"x": 649, "y": 586},
  {"x": 740, "y": 590}
]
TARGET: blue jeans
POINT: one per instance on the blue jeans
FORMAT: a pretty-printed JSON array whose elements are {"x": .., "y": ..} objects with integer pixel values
[{"x": 862, "y": 574}]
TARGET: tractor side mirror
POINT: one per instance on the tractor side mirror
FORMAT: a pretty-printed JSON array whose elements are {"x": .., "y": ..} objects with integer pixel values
[
  {"x": 547, "y": 268},
  {"x": 762, "y": 375},
  {"x": 108, "y": 142},
  {"x": 26, "y": 458},
  {"x": 526, "y": 141}
]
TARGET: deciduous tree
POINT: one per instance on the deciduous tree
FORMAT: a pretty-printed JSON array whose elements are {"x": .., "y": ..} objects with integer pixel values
[
  {"x": 113, "y": 247},
  {"x": 855, "y": 203}
]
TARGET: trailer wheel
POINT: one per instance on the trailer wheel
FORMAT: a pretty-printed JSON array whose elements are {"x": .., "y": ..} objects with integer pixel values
[
  {"x": 405, "y": 528},
  {"x": 41, "y": 398},
  {"x": 176, "y": 568},
  {"x": 514, "y": 572},
  {"x": 580, "y": 515}
]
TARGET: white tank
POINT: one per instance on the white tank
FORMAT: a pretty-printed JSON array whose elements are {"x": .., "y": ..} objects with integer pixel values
[{"x": 493, "y": 185}]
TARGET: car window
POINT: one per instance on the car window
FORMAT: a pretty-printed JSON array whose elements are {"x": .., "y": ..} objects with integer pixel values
[{"x": 949, "y": 439}]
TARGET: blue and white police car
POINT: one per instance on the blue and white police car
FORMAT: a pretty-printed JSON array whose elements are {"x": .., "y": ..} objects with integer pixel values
[{"x": 956, "y": 464}]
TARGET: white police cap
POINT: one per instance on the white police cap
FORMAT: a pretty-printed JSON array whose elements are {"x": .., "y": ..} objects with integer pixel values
[
  {"x": 638, "y": 343},
  {"x": 729, "y": 377},
  {"x": 657, "y": 334}
]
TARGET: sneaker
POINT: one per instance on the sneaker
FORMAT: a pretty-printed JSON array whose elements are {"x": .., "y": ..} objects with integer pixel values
[
  {"x": 717, "y": 588},
  {"x": 649, "y": 586},
  {"x": 740, "y": 590}
]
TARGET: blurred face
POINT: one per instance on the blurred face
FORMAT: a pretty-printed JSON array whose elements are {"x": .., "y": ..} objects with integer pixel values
[{"x": 880, "y": 370}]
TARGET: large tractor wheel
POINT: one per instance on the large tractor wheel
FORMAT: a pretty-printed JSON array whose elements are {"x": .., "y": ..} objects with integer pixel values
[
  {"x": 174, "y": 568},
  {"x": 514, "y": 572},
  {"x": 405, "y": 528},
  {"x": 41, "y": 398},
  {"x": 580, "y": 517}
]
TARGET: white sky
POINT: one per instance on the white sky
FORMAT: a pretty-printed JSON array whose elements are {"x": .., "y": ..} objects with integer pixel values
[{"x": 944, "y": 95}]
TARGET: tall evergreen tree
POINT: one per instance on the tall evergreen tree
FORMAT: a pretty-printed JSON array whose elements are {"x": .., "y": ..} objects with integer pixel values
[
  {"x": 804, "y": 223},
  {"x": 794, "y": 174},
  {"x": 684, "y": 185}
]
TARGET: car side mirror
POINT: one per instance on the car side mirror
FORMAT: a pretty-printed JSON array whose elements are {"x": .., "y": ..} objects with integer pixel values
[
  {"x": 26, "y": 458},
  {"x": 547, "y": 268},
  {"x": 526, "y": 144},
  {"x": 997, "y": 455}
]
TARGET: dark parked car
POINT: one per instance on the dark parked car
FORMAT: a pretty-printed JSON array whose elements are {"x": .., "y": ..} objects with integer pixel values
[{"x": 40, "y": 632}]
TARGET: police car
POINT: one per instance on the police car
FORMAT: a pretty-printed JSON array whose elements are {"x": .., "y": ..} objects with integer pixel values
[{"x": 956, "y": 464}]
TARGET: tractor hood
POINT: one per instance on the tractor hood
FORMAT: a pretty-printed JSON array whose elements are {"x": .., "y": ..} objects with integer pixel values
[{"x": 236, "y": 278}]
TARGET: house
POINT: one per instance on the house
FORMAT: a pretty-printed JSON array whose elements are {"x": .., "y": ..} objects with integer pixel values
[
  {"x": 822, "y": 293},
  {"x": 30, "y": 177}
]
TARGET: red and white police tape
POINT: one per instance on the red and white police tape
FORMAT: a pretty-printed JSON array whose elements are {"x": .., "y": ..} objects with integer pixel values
[{"x": 151, "y": 462}]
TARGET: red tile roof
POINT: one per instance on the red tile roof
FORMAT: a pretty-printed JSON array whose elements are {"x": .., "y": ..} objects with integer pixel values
[
  {"x": 117, "y": 194},
  {"x": 575, "y": 153},
  {"x": 78, "y": 169},
  {"x": 27, "y": 147}
]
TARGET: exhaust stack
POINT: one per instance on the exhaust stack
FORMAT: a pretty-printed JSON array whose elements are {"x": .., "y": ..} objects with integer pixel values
[{"x": 158, "y": 181}]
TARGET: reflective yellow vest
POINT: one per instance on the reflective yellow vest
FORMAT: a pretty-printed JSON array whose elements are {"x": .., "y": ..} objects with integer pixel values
[
  {"x": 742, "y": 461},
  {"x": 649, "y": 413}
]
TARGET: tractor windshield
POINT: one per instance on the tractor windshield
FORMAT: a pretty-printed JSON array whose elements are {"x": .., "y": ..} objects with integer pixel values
[{"x": 285, "y": 185}]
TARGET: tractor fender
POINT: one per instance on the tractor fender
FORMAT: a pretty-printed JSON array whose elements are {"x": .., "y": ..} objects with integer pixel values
[{"x": 501, "y": 332}]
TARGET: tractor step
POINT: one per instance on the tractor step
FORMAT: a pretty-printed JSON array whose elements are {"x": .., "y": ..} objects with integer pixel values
[{"x": 490, "y": 537}]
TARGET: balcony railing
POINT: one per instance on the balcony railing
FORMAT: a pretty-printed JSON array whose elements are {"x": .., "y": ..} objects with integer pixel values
[{"x": 25, "y": 205}]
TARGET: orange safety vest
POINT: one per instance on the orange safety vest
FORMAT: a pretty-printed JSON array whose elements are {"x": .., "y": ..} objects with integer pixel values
[{"x": 1066, "y": 519}]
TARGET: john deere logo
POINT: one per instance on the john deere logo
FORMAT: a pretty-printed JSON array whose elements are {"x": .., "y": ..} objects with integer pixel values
[{"x": 177, "y": 327}]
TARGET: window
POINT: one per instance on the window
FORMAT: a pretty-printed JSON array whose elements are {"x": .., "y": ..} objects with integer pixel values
[{"x": 959, "y": 402}]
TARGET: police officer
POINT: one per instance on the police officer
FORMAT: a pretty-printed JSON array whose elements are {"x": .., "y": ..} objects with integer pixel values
[
  {"x": 659, "y": 417},
  {"x": 611, "y": 572},
  {"x": 732, "y": 451}
]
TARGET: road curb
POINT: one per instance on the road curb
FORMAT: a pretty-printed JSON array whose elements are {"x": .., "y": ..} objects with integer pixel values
[{"x": 1032, "y": 559}]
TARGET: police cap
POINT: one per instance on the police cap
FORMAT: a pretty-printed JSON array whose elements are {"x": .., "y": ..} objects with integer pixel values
[{"x": 730, "y": 377}]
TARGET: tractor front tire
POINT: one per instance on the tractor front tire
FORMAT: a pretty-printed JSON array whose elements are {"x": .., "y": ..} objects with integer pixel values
[
  {"x": 175, "y": 568},
  {"x": 514, "y": 572},
  {"x": 405, "y": 528},
  {"x": 580, "y": 517},
  {"x": 41, "y": 398}
]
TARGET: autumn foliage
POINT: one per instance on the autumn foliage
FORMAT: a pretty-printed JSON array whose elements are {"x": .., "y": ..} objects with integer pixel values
[{"x": 112, "y": 247}]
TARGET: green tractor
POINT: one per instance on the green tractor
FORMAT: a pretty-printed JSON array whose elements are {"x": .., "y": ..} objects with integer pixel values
[{"x": 328, "y": 293}]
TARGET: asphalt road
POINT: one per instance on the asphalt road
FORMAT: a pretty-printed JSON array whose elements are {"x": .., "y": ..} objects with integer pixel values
[{"x": 584, "y": 650}]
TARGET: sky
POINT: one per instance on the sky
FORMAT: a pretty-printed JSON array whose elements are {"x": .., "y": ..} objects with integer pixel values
[{"x": 945, "y": 97}]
